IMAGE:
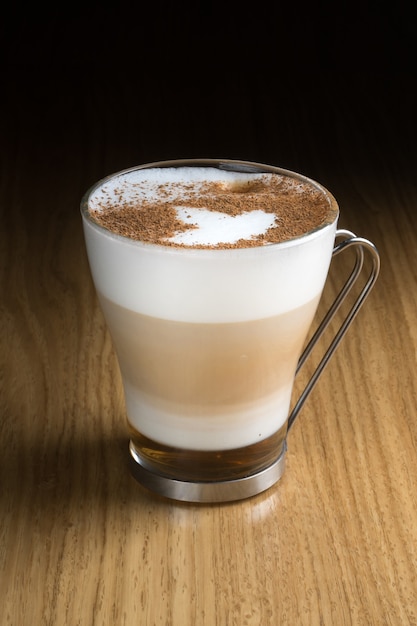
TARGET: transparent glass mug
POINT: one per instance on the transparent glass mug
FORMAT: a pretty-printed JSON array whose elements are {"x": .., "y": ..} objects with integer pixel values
[{"x": 209, "y": 342}]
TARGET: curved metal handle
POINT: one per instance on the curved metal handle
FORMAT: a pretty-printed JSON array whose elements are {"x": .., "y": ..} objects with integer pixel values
[{"x": 361, "y": 246}]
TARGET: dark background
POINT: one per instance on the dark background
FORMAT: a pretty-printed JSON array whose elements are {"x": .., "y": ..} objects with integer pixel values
[{"x": 119, "y": 84}]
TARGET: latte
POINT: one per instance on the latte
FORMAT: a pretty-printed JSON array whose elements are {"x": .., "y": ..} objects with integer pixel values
[{"x": 209, "y": 276}]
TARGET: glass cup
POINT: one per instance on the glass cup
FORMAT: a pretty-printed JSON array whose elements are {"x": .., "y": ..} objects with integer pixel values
[{"x": 209, "y": 342}]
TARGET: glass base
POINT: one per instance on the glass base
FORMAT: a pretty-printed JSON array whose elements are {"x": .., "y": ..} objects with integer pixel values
[{"x": 213, "y": 491}]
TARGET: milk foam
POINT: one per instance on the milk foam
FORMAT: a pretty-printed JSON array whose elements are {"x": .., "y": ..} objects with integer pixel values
[
  {"x": 180, "y": 186},
  {"x": 214, "y": 227},
  {"x": 203, "y": 285}
]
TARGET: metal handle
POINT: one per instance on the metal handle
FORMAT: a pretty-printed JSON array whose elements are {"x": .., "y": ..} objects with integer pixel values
[{"x": 361, "y": 246}]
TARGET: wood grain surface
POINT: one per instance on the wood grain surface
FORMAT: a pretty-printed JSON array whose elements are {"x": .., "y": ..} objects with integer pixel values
[{"x": 81, "y": 543}]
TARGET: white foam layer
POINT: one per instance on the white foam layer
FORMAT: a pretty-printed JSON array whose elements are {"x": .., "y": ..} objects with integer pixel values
[
  {"x": 167, "y": 184},
  {"x": 181, "y": 186},
  {"x": 214, "y": 227},
  {"x": 242, "y": 426},
  {"x": 209, "y": 285},
  {"x": 203, "y": 285}
]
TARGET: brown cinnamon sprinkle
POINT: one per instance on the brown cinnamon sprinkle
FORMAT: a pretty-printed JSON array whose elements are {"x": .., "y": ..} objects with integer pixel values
[{"x": 299, "y": 208}]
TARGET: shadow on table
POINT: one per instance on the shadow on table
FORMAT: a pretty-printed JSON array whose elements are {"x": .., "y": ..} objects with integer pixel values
[{"x": 61, "y": 474}]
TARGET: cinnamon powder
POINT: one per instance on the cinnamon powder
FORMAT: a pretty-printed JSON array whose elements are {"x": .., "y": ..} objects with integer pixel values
[{"x": 299, "y": 208}]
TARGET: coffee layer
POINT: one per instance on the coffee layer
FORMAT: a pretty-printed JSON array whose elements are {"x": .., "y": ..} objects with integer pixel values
[{"x": 207, "y": 386}]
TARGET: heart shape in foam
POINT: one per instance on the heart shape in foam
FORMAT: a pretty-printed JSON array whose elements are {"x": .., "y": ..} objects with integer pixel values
[{"x": 214, "y": 227}]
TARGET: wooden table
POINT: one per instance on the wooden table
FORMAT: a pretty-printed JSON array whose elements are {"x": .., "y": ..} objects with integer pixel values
[{"x": 82, "y": 543}]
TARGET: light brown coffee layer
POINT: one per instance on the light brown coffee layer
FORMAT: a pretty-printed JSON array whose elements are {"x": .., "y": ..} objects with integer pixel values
[{"x": 207, "y": 369}]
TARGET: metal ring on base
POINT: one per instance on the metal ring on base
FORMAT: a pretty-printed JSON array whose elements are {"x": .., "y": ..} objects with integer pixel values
[{"x": 209, "y": 492}]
